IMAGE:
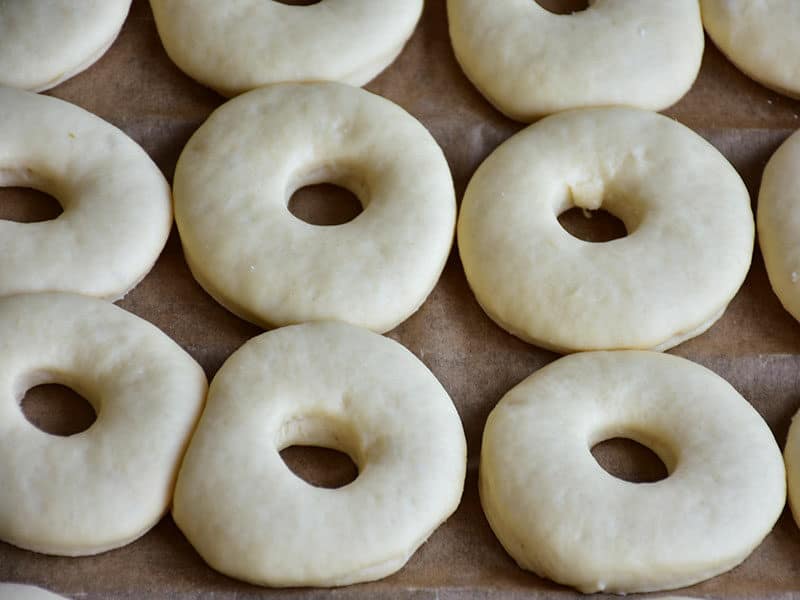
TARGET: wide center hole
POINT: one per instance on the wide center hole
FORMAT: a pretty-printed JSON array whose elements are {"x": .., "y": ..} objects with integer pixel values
[
  {"x": 625, "y": 459},
  {"x": 563, "y": 7},
  {"x": 325, "y": 204},
  {"x": 321, "y": 467},
  {"x": 58, "y": 410},
  {"x": 26, "y": 205},
  {"x": 298, "y": 2},
  {"x": 595, "y": 226}
]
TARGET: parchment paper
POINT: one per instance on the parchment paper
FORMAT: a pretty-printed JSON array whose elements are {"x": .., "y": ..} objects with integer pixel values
[{"x": 755, "y": 346}]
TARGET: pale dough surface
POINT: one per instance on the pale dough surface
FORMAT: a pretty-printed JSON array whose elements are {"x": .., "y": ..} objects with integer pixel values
[
  {"x": 687, "y": 213},
  {"x": 236, "y": 175},
  {"x": 117, "y": 204},
  {"x": 45, "y": 42},
  {"x": 104, "y": 487},
  {"x": 333, "y": 385},
  {"x": 238, "y": 45},
  {"x": 18, "y": 591},
  {"x": 529, "y": 62},
  {"x": 779, "y": 223},
  {"x": 791, "y": 455},
  {"x": 559, "y": 514},
  {"x": 760, "y": 37}
]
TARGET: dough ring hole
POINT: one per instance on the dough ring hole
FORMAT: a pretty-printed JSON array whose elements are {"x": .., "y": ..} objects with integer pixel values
[
  {"x": 298, "y": 2},
  {"x": 595, "y": 226},
  {"x": 564, "y": 7},
  {"x": 319, "y": 451},
  {"x": 27, "y": 205},
  {"x": 629, "y": 460},
  {"x": 325, "y": 204},
  {"x": 57, "y": 410}
]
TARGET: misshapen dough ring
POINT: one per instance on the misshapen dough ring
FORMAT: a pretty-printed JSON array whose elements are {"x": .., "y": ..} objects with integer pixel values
[
  {"x": 45, "y": 43},
  {"x": 685, "y": 208},
  {"x": 559, "y": 514},
  {"x": 333, "y": 385},
  {"x": 529, "y": 62},
  {"x": 104, "y": 487},
  {"x": 117, "y": 206},
  {"x": 238, "y": 45},
  {"x": 18, "y": 591},
  {"x": 779, "y": 223},
  {"x": 760, "y": 38},
  {"x": 236, "y": 175}
]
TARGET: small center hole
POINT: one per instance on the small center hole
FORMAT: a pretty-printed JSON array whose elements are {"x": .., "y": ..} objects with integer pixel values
[
  {"x": 325, "y": 204},
  {"x": 592, "y": 225},
  {"x": 26, "y": 205},
  {"x": 321, "y": 467},
  {"x": 298, "y": 2},
  {"x": 628, "y": 460},
  {"x": 58, "y": 410},
  {"x": 563, "y": 7}
]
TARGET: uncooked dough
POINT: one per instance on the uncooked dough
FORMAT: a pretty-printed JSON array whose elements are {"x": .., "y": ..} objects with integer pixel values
[
  {"x": 687, "y": 213},
  {"x": 320, "y": 384},
  {"x": 236, "y": 175},
  {"x": 117, "y": 205},
  {"x": 792, "y": 458},
  {"x": 45, "y": 43},
  {"x": 104, "y": 487},
  {"x": 530, "y": 62},
  {"x": 559, "y": 514},
  {"x": 238, "y": 45},
  {"x": 18, "y": 591},
  {"x": 760, "y": 38},
  {"x": 779, "y": 223}
]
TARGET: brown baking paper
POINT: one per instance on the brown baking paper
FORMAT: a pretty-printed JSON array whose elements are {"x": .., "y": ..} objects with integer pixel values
[{"x": 755, "y": 346}]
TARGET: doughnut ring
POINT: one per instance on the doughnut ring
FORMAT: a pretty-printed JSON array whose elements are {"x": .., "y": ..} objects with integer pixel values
[
  {"x": 105, "y": 487},
  {"x": 779, "y": 223},
  {"x": 760, "y": 38},
  {"x": 559, "y": 514},
  {"x": 45, "y": 43},
  {"x": 320, "y": 384},
  {"x": 239, "y": 45},
  {"x": 18, "y": 591},
  {"x": 792, "y": 458},
  {"x": 117, "y": 206},
  {"x": 529, "y": 62},
  {"x": 236, "y": 175},
  {"x": 669, "y": 280}
]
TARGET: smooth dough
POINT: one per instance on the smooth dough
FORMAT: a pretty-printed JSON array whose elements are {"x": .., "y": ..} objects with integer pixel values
[
  {"x": 117, "y": 204},
  {"x": 104, "y": 487},
  {"x": 43, "y": 43},
  {"x": 760, "y": 37},
  {"x": 236, "y": 175},
  {"x": 687, "y": 213},
  {"x": 18, "y": 591},
  {"x": 791, "y": 456},
  {"x": 529, "y": 62},
  {"x": 779, "y": 223},
  {"x": 238, "y": 45},
  {"x": 559, "y": 514},
  {"x": 320, "y": 384}
]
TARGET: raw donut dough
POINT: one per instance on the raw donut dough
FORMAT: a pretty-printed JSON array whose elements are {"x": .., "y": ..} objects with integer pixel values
[
  {"x": 117, "y": 206},
  {"x": 18, "y": 591},
  {"x": 779, "y": 223},
  {"x": 559, "y": 514},
  {"x": 45, "y": 43},
  {"x": 238, "y": 45},
  {"x": 792, "y": 459},
  {"x": 685, "y": 208},
  {"x": 530, "y": 62},
  {"x": 760, "y": 38},
  {"x": 236, "y": 175},
  {"x": 333, "y": 385},
  {"x": 104, "y": 487}
]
